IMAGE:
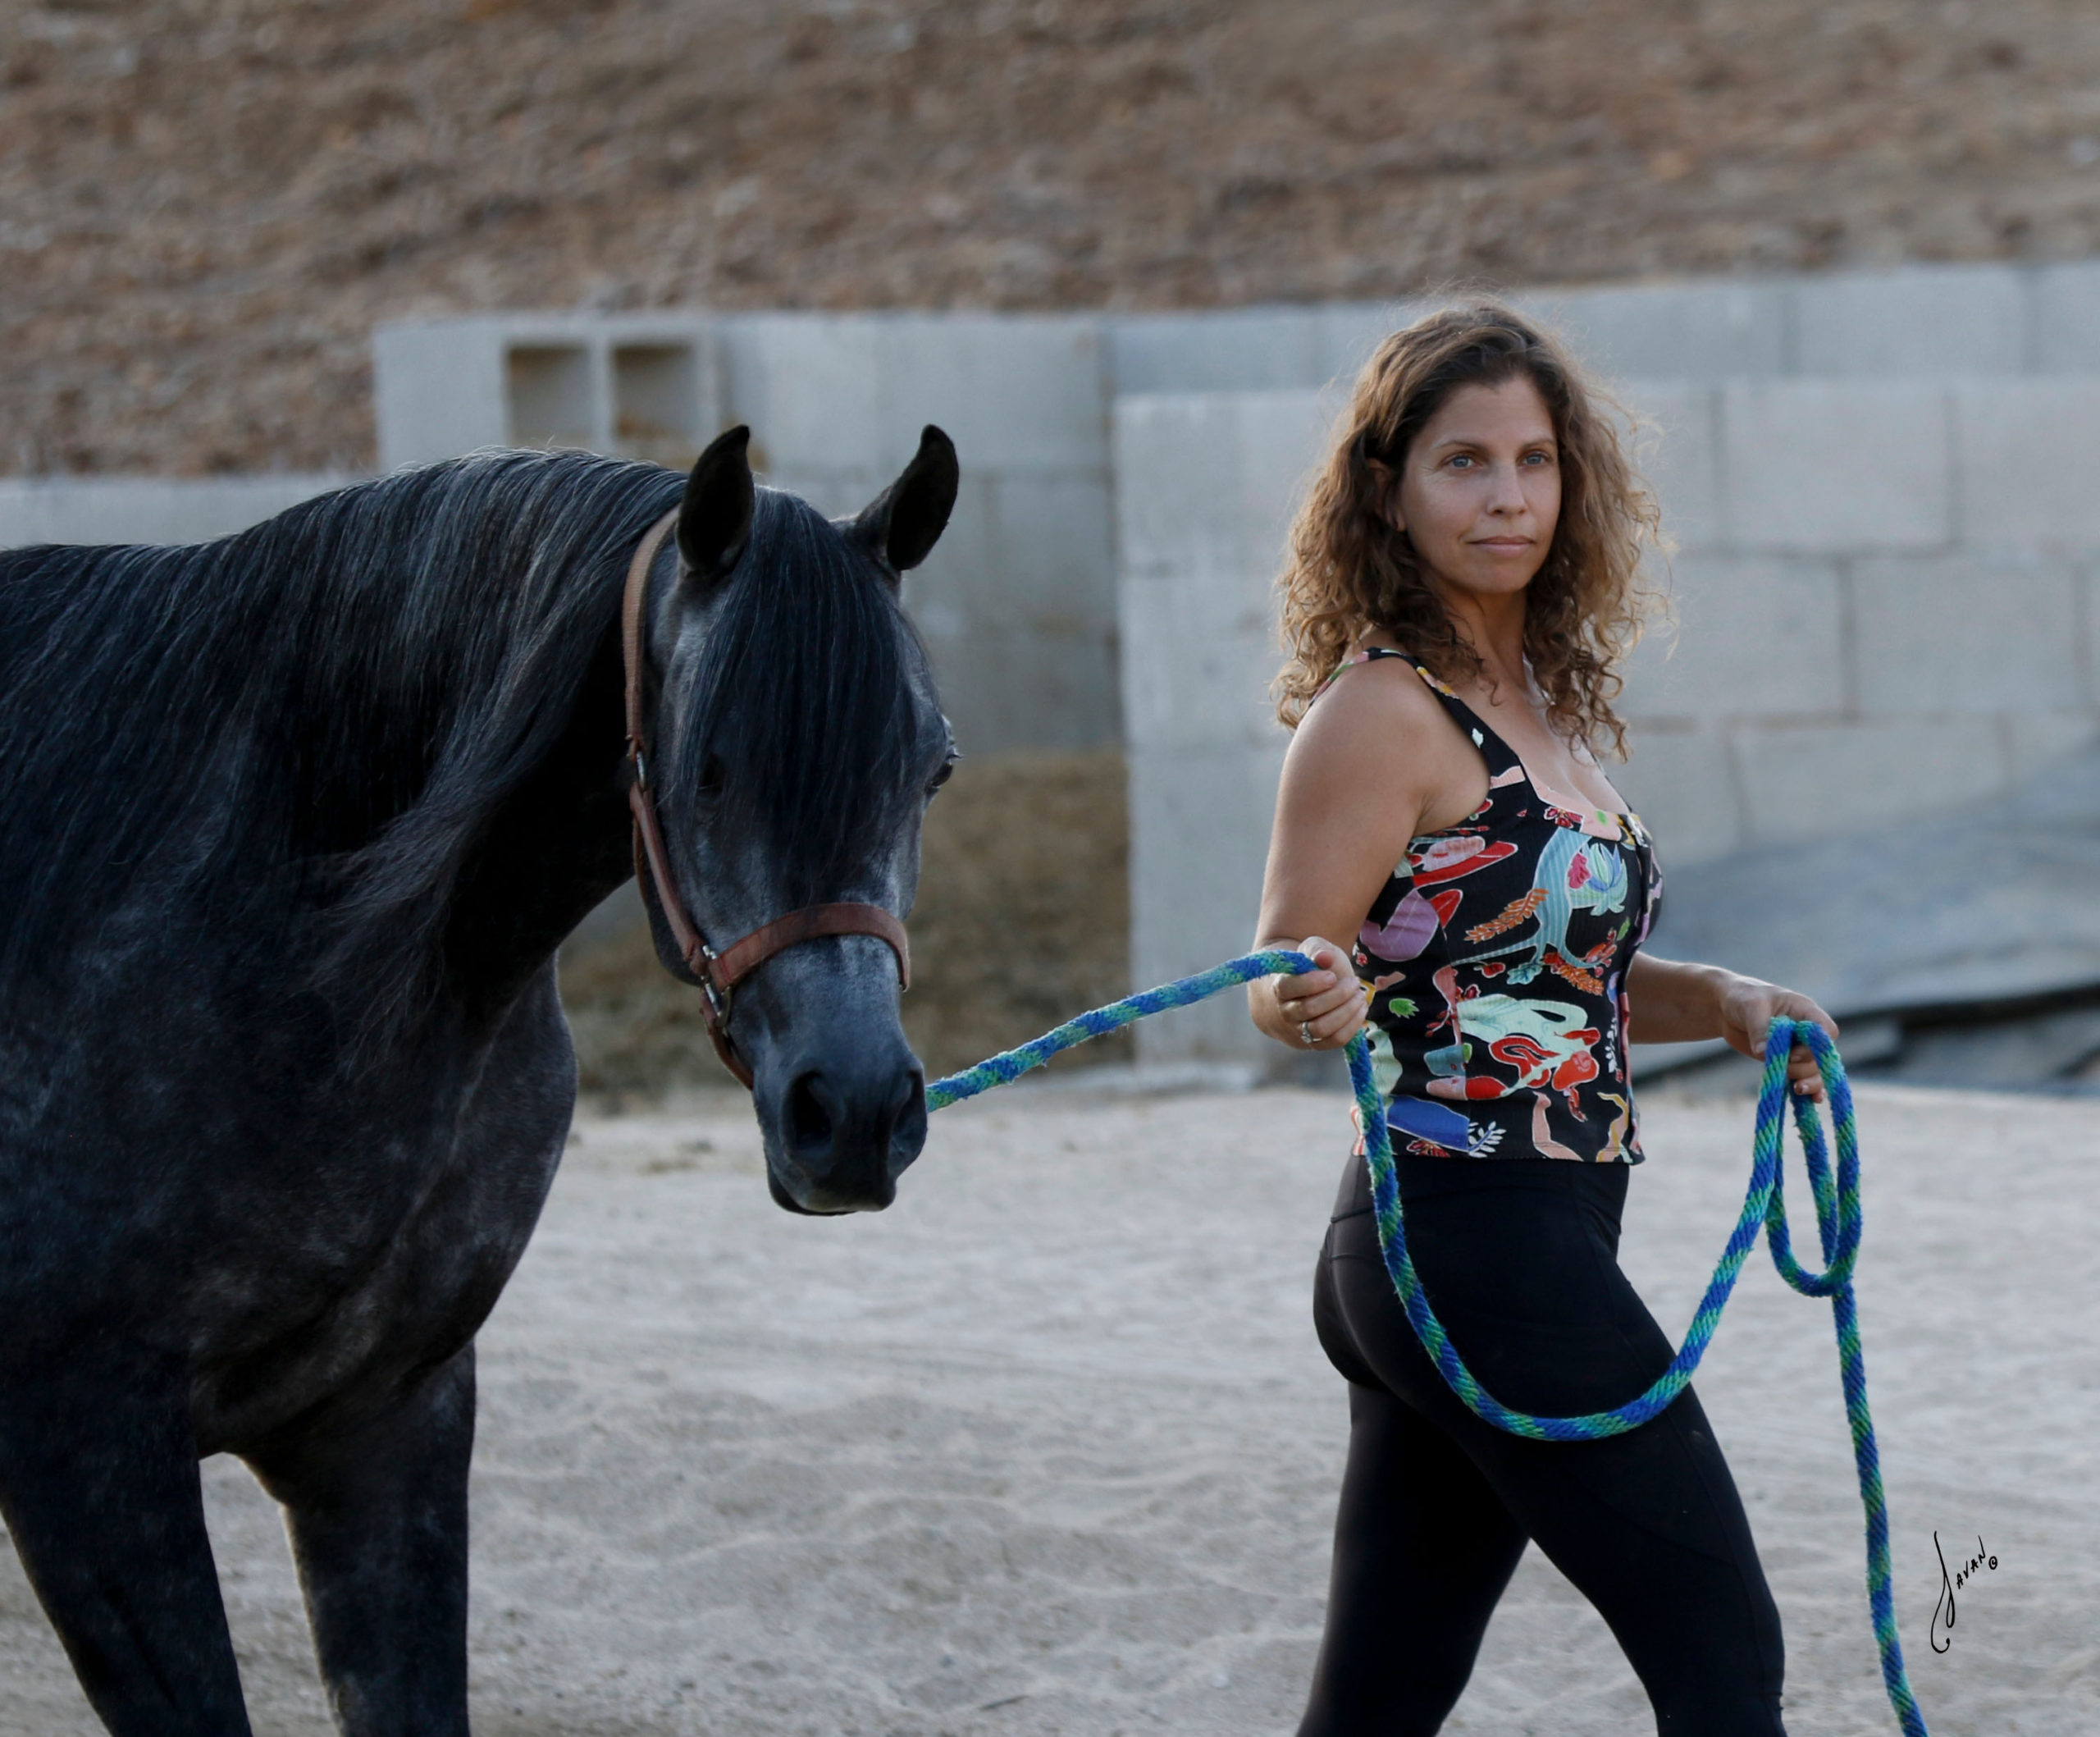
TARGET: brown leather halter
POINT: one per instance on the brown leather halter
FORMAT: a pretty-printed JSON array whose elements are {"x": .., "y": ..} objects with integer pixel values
[{"x": 717, "y": 973}]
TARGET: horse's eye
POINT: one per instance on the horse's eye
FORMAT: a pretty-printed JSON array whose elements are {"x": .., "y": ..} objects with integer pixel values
[
  {"x": 713, "y": 775},
  {"x": 941, "y": 777}
]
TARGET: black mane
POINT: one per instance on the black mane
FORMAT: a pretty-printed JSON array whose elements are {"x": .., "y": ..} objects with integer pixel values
[
  {"x": 804, "y": 703},
  {"x": 323, "y": 708}
]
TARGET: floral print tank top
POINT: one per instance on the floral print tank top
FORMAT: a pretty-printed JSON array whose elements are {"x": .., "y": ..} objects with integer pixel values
[{"x": 1496, "y": 959}]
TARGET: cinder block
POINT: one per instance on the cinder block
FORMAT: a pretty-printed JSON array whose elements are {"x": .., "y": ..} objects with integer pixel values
[
  {"x": 1206, "y": 485},
  {"x": 1054, "y": 558},
  {"x": 1199, "y": 829},
  {"x": 641, "y": 385},
  {"x": 1177, "y": 462},
  {"x": 807, "y": 385},
  {"x": 1836, "y": 467},
  {"x": 2089, "y": 621},
  {"x": 1198, "y": 656},
  {"x": 2025, "y": 462},
  {"x": 1820, "y": 781},
  {"x": 1753, "y": 638},
  {"x": 1016, "y": 604},
  {"x": 945, "y": 594},
  {"x": 146, "y": 509},
  {"x": 2039, "y": 739},
  {"x": 1284, "y": 438},
  {"x": 2067, "y": 316},
  {"x": 1235, "y": 350},
  {"x": 1920, "y": 321},
  {"x": 1675, "y": 445},
  {"x": 1350, "y": 333},
  {"x": 437, "y": 389},
  {"x": 552, "y": 393},
  {"x": 1004, "y": 690},
  {"x": 836, "y": 494},
  {"x": 663, "y": 377},
  {"x": 1013, "y": 392},
  {"x": 1967, "y": 633},
  {"x": 1681, "y": 783},
  {"x": 1715, "y": 331}
]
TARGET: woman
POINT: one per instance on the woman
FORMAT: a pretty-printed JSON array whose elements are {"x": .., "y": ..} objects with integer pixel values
[{"x": 1462, "y": 579}]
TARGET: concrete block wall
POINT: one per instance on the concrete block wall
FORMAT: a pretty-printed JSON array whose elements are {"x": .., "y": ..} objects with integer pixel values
[
  {"x": 1206, "y": 486},
  {"x": 1884, "y": 600},
  {"x": 640, "y": 384},
  {"x": 1887, "y": 544},
  {"x": 145, "y": 509},
  {"x": 1019, "y": 604},
  {"x": 1887, "y": 596}
]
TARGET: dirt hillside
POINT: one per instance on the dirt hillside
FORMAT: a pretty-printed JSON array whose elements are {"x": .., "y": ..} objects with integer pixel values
[{"x": 205, "y": 204}]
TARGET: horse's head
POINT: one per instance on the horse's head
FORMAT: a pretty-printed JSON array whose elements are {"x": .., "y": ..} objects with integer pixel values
[{"x": 796, "y": 740}]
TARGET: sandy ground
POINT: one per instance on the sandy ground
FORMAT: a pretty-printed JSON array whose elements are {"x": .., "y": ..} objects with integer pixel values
[{"x": 1050, "y": 1448}]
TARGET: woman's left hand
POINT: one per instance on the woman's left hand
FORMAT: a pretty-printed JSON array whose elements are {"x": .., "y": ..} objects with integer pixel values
[{"x": 1748, "y": 1007}]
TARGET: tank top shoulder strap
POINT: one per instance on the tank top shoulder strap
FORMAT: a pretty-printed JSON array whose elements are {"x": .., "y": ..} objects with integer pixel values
[{"x": 1501, "y": 757}]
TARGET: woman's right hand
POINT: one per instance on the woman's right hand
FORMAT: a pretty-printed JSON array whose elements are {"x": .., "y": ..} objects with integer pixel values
[{"x": 1320, "y": 1009}]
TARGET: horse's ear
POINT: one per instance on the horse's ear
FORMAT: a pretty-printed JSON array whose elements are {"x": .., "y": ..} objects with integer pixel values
[
  {"x": 714, "y": 520},
  {"x": 906, "y": 520}
]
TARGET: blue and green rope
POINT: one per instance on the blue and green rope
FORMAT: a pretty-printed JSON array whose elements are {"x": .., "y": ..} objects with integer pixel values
[{"x": 1837, "y": 1220}]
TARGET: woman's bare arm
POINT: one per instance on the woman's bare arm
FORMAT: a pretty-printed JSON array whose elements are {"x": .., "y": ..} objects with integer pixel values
[
  {"x": 1672, "y": 1002},
  {"x": 1371, "y": 757}
]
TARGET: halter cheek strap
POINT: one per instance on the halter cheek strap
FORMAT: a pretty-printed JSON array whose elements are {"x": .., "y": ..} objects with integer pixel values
[{"x": 717, "y": 973}]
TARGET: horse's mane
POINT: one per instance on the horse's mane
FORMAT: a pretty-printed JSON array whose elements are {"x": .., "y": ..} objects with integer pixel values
[
  {"x": 321, "y": 710},
  {"x": 318, "y": 716},
  {"x": 804, "y": 697}
]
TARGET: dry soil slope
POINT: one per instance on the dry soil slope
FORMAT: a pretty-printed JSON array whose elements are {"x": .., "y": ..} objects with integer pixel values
[{"x": 205, "y": 204}]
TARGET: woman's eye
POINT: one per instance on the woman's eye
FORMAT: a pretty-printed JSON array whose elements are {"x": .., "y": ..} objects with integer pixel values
[{"x": 1459, "y": 461}]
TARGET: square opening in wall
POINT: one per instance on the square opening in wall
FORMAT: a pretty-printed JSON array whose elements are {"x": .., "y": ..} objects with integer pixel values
[
  {"x": 548, "y": 392},
  {"x": 656, "y": 402}
]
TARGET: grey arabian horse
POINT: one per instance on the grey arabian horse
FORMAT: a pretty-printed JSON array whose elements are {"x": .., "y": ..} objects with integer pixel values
[{"x": 291, "y": 826}]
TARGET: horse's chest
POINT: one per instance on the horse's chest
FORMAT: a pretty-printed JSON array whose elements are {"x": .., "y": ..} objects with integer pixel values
[{"x": 393, "y": 1262}]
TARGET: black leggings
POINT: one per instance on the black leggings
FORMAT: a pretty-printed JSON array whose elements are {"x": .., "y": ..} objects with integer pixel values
[{"x": 1519, "y": 1258}]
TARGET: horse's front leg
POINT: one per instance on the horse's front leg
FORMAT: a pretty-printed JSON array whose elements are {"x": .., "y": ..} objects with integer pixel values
[
  {"x": 98, "y": 1487},
  {"x": 378, "y": 1523}
]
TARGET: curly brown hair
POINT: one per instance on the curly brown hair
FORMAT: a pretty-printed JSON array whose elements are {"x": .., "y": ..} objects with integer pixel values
[{"x": 1349, "y": 569}]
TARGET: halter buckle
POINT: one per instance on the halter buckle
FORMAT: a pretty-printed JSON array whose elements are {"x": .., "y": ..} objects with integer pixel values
[{"x": 718, "y": 994}]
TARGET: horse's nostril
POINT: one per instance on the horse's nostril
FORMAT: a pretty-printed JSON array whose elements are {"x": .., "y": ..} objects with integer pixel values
[
  {"x": 904, "y": 1124},
  {"x": 810, "y": 1118}
]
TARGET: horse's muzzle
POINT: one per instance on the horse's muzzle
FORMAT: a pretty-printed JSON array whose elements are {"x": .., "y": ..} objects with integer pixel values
[{"x": 842, "y": 1140}]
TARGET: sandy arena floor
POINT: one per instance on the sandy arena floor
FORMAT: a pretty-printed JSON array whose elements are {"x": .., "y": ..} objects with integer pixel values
[{"x": 1049, "y": 1447}]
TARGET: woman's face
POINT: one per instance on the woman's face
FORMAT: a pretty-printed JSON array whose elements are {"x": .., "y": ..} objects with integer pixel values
[{"x": 1479, "y": 491}]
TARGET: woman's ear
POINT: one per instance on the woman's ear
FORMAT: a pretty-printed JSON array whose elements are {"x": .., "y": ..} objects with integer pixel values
[{"x": 1388, "y": 488}]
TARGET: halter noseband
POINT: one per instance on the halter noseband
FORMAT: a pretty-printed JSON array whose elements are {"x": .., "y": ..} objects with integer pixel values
[{"x": 718, "y": 973}]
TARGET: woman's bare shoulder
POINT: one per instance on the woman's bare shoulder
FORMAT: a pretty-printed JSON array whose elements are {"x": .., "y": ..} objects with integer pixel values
[
  {"x": 1382, "y": 701},
  {"x": 1378, "y": 721}
]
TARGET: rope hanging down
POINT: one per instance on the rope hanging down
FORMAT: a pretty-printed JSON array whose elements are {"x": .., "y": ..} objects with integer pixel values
[{"x": 1837, "y": 1220}]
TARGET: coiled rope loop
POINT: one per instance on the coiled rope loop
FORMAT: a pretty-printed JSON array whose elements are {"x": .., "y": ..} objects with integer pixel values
[{"x": 1836, "y": 1222}]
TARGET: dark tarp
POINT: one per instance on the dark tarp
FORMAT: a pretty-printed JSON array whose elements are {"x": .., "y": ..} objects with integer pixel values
[{"x": 1994, "y": 904}]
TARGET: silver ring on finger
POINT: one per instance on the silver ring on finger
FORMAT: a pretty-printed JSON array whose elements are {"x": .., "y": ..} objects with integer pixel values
[{"x": 1305, "y": 1033}]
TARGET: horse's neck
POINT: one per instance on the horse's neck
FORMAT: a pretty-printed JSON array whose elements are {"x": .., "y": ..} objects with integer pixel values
[{"x": 550, "y": 853}]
